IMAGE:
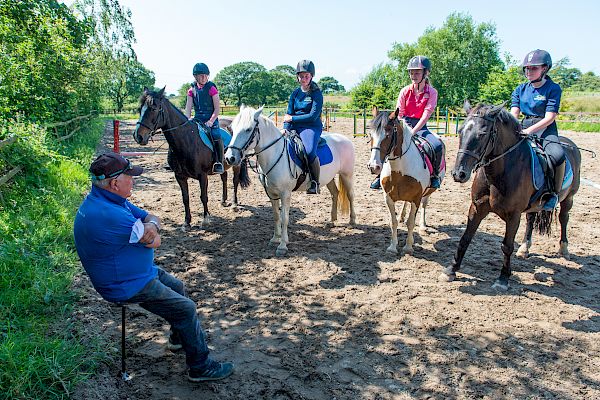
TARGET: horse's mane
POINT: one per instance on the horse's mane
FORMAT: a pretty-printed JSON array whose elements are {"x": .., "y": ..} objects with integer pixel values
[
  {"x": 245, "y": 118},
  {"x": 503, "y": 116}
]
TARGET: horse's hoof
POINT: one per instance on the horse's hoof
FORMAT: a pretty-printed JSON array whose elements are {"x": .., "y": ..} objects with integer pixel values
[
  {"x": 408, "y": 250},
  {"x": 280, "y": 252},
  {"x": 523, "y": 253},
  {"x": 563, "y": 251},
  {"x": 352, "y": 222},
  {"x": 423, "y": 231},
  {"x": 185, "y": 227},
  {"x": 444, "y": 277},
  {"x": 392, "y": 250},
  {"x": 500, "y": 286},
  {"x": 225, "y": 203}
]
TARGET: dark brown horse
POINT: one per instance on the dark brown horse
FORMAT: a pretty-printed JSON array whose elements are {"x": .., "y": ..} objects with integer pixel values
[
  {"x": 188, "y": 156},
  {"x": 491, "y": 143}
]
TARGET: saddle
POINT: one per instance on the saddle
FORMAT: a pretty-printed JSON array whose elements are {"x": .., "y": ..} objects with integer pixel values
[
  {"x": 544, "y": 159},
  {"x": 542, "y": 171},
  {"x": 426, "y": 150},
  {"x": 299, "y": 156}
]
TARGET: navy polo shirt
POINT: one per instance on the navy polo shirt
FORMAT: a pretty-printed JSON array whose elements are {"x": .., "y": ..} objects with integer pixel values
[
  {"x": 305, "y": 109},
  {"x": 536, "y": 102},
  {"x": 103, "y": 224}
]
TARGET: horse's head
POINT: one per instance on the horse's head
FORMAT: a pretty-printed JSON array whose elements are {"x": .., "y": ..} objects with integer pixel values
[
  {"x": 245, "y": 134},
  {"x": 480, "y": 135},
  {"x": 152, "y": 115},
  {"x": 386, "y": 136}
]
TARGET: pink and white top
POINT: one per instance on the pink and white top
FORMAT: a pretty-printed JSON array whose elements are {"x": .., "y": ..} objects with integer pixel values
[
  {"x": 211, "y": 92},
  {"x": 415, "y": 105}
]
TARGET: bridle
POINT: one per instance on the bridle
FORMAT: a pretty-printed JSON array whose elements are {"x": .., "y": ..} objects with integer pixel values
[
  {"x": 256, "y": 134},
  {"x": 492, "y": 137},
  {"x": 392, "y": 145},
  {"x": 161, "y": 119}
]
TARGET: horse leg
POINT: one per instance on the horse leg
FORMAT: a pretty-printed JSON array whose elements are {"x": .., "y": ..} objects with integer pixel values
[
  {"x": 236, "y": 183},
  {"x": 508, "y": 245},
  {"x": 410, "y": 240},
  {"x": 277, "y": 217},
  {"x": 523, "y": 251},
  {"x": 185, "y": 194},
  {"x": 563, "y": 217},
  {"x": 224, "y": 201},
  {"x": 393, "y": 225},
  {"x": 286, "y": 198},
  {"x": 474, "y": 219},
  {"x": 403, "y": 212},
  {"x": 204, "y": 197},
  {"x": 349, "y": 185},
  {"x": 333, "y": 189},
  {"x": 422, "y": 224}
]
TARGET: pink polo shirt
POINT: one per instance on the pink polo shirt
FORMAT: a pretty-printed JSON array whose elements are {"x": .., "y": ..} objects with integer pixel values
[
  {"x": 212, "y": 91},
  {"x": 415, "y": 105}
]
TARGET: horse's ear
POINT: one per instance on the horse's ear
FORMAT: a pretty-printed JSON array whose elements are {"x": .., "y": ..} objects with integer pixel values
[
  {"x": 146, "y": 91},
  {"x": 496, "y": 109},
  {"x": 394, "y": 115},
  {"x": 467, "y": 106},
  {"x": 162, "y": 91},
  {"x": 257, "y": 114},
  {"x": 374, "y": 111},
  {"x": 242, "y": 106}
]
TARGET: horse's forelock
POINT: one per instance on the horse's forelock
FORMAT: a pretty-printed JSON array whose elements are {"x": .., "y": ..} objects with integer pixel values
[
  {"x": 380, "y": 120},
  {"x": 245, "y": 119}
]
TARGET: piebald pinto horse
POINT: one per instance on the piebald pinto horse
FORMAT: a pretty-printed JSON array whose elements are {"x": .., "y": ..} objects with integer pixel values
[{"x": 404, "y": 173}]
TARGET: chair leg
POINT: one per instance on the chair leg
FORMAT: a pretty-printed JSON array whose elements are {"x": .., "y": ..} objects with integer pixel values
[{"x": 124, "y": 374}]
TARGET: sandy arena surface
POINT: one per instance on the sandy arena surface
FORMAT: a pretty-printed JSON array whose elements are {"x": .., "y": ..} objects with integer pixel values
[{"x": 339, "y": 318}]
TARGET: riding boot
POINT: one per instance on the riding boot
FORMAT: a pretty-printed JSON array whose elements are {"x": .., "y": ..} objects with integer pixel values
[
  {"x": 218, "y": 165},
  {"x": 376, "y": 184},
  {"x": 436, "y": 182},
  {"x": 314, "y": 172},
  {"x": 559, "y": 175}
]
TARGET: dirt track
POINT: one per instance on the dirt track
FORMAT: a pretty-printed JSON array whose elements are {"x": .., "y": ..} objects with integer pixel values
[{"x": 338, "y": 318}]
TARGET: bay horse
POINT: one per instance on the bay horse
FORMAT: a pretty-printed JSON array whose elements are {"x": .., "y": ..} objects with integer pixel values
[
  {"x": 492, "y": 144},
  {"x": 188, "y": 156},
  {"x": 279, "y": 173},
  {"x": 404, "y": 174}
]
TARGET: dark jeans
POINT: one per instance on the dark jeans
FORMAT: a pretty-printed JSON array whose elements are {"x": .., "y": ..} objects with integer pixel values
[{"x": 165, "y": 297}]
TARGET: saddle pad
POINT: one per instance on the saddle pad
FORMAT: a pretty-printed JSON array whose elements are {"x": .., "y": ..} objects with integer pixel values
[
  {"x": 537, "y": 173},
  {"x": 323, "y": 152},
  {"x": 427, "y": 161},
  {"x": 208, "y": 142}
]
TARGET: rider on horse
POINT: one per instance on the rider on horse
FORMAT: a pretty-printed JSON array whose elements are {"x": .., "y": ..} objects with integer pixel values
[
  {"x": 417, "y": 103},
  {"x": 539, "y": 101},
  {"x": 304, "y": 116},
  {"x": 204, "y": 96}
]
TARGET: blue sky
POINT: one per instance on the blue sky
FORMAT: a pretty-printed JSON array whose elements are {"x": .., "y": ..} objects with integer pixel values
[{"x": 345, "y": 39}]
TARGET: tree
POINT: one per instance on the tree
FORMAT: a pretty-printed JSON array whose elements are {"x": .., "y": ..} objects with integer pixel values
[
  {"x": 384, "y": 77},
  {"x": 329, "y": 84},
  {"x": 283, "y": 83},
  {"x": 234, "y": 81},
  {"x": 563, "y": 75},
  {"x": 500, "y": 84},
  {"x": 462, "y": 53},
  {"x": 129, "y": 77}
]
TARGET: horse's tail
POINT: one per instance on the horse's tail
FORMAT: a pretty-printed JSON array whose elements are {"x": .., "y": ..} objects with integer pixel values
[
  {"x": 343, "y": 199},
  {"x": 244, "y": 175},
  {"x": 542, "y": 222}
]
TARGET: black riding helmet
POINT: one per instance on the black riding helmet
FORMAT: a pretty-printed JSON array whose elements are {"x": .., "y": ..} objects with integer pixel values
[
  {"x": 305, "y": 66},
  {"x": 538, "y": 57},
  {"x": 419, "y": 62},
  {"x": 201, "y": 68}
]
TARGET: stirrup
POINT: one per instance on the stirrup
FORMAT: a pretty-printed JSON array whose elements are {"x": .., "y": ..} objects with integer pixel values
[
  {"x": 551, "y": 203},
  {"x": 218, "y": 168},
  {"x": 313, "y": 188}
]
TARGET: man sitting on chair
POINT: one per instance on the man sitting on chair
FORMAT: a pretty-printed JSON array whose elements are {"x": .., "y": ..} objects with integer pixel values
[{"x": 115, "y": 241}]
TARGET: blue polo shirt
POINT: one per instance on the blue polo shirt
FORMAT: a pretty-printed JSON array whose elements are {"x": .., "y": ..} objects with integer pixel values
[
  {"x": 305, "y": 109},
  {"x": 103, "y": 224},
  {"x": 536, "y": 102}
]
